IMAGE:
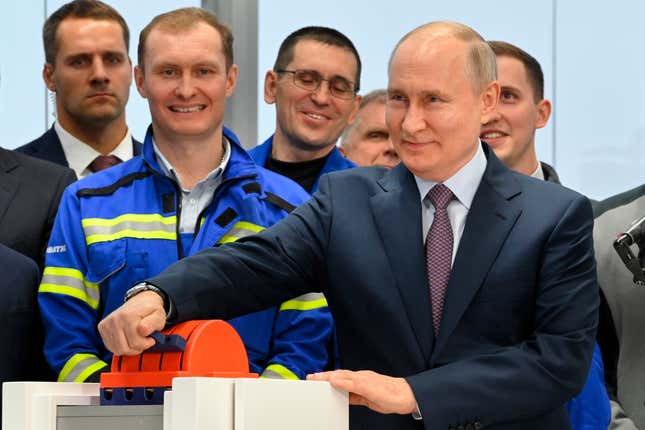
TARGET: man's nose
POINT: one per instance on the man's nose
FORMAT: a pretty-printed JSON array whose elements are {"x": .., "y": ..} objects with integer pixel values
[
  {"x": 185, "y": 87},
  {"x": 99, "y": 72},
  {"x": 322, "y": 94},
  {"x": 414, "y": 120}
]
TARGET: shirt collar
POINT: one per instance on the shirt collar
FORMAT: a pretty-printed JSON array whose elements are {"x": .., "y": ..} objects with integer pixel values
[
  {"x": 463, "y": 183},
  {"x": 169, "y": 171},
  {"x": 538, "y": 173},
  {"x": 80, "y": 155}
]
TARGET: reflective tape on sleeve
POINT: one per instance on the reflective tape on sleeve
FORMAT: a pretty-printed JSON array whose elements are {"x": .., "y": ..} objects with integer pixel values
[
  {"x": 138, "y": 226},
  {"x": 278, "y": 371},
  {"x": 70, "y": 282},
  {"x": 239, "y": 230},
  {"x": 305, "y": 302},
  {"x": 80, "y": 367}
]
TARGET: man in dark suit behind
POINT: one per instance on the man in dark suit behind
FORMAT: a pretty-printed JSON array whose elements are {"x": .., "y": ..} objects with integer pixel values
[
  {"x": 501, "y": 341},
  {"x": 88, "y": 69},
  {"x": 18, "y": 316},
  {"x": 30, "y": 191}
]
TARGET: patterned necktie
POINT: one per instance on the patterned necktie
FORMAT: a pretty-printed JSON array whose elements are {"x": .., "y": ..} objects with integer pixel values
[
  {"x": 103, "y": 162},
  {"x": 439, "y": 251}
]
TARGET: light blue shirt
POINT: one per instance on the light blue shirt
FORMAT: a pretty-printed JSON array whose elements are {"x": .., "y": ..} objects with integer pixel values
[
  {"x": 196, "y": 200},
  {"x": 463, "y": 184}
]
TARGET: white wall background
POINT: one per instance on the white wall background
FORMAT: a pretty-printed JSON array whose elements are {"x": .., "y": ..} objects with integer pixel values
[{"x": 590, "y": 53}]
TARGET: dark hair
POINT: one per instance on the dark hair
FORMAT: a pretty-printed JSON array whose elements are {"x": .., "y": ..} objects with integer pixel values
[
  {"x": 531, "y": 65},
  {"x": 185, "y": 19},
  {"x": 325, "y": 35},
  {"x": 93, "y": 9}
]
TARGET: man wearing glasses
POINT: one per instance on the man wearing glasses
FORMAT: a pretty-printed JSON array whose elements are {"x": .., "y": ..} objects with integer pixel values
[{"x": 313, "y": 85}]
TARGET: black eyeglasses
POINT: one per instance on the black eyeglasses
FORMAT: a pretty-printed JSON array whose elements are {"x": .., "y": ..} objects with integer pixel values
[{"x": 310, "y": 80}]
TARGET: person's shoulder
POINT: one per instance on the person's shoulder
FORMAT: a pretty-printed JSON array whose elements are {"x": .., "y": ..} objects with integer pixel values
[
  {"x": 633, "y": 197},
  {"x": 46, "y": 172},
  {"x": 363, "y": 178},
  {"x": 540, "y": 189},
  {"x": 31, "y": 145},
  {"x": 282, "y": 186},
  {"x": 113, "y": 177}
]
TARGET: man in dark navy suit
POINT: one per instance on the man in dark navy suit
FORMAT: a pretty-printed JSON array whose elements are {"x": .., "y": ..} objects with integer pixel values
[
  {"x": 88, "y": 69},
  {"x": 468, "y": 290},
  {"x": 18, "y": 317}
]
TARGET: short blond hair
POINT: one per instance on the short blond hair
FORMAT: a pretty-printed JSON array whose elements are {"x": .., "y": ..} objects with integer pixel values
[
  {"x": 481, "y": 67},
  {"x": 186, "y": 19}
]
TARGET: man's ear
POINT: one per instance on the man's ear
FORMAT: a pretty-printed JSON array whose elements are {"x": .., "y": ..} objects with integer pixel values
[
  {"x": 270, "y": 86},
  {"x": 489, "y": 99},
  {"x": 544, "y": 113},
  {"x": 139, "y": 79},
  {"x": 231, "y": 80},
  {"x": 48, "y": 77}
]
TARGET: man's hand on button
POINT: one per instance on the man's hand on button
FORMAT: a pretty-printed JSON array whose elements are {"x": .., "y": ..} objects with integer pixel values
[{"x": 126, "y": 331}]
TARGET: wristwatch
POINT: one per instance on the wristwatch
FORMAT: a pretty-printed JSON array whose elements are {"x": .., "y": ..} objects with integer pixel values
[
  {"x": 140, "y": 288},
  {"x": 145, "y": 286}
]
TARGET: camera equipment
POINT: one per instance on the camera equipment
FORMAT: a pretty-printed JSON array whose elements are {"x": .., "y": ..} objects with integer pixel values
[{"x": 634, "y": 235}]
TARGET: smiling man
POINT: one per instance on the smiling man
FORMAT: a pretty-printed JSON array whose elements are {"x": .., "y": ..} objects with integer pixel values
[
  {"x": 194, "y": 187},
  {"x": 89, "y": 71},
  {"x": 522, "y": 109},
  {"x": 468, "y": 290},
  {"x": 313, "y": 85}
]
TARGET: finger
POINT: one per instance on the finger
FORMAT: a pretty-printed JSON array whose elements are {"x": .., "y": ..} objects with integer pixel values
[{"x": 152, "y": 322}]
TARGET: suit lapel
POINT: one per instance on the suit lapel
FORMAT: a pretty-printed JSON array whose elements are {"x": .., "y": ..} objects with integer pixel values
[
  {"x": 397, "y": 213},
  {"x": 490, "y": 219},
  {"x": 8, "y": 181}
]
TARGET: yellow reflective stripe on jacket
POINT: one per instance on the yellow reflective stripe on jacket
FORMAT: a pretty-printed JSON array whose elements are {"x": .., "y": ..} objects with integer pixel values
[
  {"x": 239, "y": 230},
  {"x": 278, "y": 371},
  {"x": 70, "y": 282},
  {"x": 138, "y": 226},
  {"x": 306, "y": 302},
  {"x": 80, "y": 367}
]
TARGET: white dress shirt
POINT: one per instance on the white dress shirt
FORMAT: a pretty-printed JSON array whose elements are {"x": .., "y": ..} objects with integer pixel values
[
  {"x": 538, "y": 173},
  {"x": 80, "y": 155},
  {"x": 463, "y": 185}
]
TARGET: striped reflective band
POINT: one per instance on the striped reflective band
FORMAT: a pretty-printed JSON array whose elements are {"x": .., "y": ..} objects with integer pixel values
[
  {"x": 306, "y": 302},
  {"x": 70, "y": 282},
  {"x": 80, "y": 367},
  {"x": 278, "y": 371},
  {"x": 239, "y": 230},
  {"x": 139, "y": 226}
]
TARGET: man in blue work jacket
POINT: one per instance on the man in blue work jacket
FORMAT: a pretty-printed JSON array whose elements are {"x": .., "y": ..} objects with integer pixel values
[
  {"x": 192, "y": 188},
  {"x": 314, "y": 85}
]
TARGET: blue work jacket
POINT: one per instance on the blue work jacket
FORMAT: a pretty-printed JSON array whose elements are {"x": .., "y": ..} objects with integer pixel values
[
  {"x": 120, "y": 226},
  {"x": 335, "y": 162}
]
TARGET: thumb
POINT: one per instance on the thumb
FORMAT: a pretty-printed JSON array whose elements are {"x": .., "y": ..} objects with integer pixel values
[{"x": 155, "y": 321}]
